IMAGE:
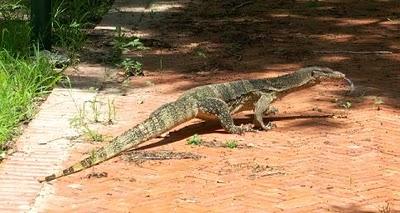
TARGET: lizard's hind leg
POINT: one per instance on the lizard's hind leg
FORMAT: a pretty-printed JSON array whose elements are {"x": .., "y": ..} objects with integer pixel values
[{"x": 218, "y": 108}]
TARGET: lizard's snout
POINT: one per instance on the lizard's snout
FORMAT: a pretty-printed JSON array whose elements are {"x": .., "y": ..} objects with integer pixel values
[
  {"x": 337, "y": 74},
  {"x": 340, "y": 75}
]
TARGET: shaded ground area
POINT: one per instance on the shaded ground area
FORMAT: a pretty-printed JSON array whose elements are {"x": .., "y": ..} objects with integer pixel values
[
  {"x": 224, "y": 36},
  {"x": 343, "y": 163}
]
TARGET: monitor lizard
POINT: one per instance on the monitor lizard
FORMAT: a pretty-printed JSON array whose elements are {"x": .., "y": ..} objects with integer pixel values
[{"x": 214, "y": 101}]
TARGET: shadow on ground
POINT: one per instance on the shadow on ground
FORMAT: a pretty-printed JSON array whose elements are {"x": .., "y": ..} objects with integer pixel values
[
  {"x": 251, "y": 36},
  {"x": 213, "y": 126}
]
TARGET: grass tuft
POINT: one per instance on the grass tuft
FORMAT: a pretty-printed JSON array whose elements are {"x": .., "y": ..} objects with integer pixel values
[
  {"x": 194, "y": 140},
  {"x": 22, "y": 82},
  {"x": 25, "y": 74}
]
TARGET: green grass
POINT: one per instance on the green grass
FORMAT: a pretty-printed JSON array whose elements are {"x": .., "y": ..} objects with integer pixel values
[
  {"x": 194, "y": 140},
  {"x": 22, "y": 82},
  {"x": 71, "y": 17},
  {"x": 232, "y": 144},
  {"x": 15, "y": 36},
  {"x": 25, "y": 75},
  {"x": 14, "y": 29}
]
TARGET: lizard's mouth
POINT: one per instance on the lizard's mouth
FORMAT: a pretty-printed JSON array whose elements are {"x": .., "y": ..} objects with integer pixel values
[
  {"x": 337, "y": 76},
  {"x": 340, "y": 75}
]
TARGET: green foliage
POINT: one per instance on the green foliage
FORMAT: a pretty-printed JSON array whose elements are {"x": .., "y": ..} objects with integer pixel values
[
  {"x": 132, "y": 67},
  {"x": 25, "y": 78},
  {"x": 121, "y": 44},
  {"x": 12, "y": 9},
  {"x": 22, "y": 81},
  {"x": 14, "y": 30},
  {"x": 82, "y": 120},
  {"x": 129, "y": 43},
  {"x": 194, "y": 140},
  {"x": 232, "y": 144},
  {"x": 92, "y": 134},
  {"x": 82, "y": 11},
  {"x": 69, "y": 37},
  {"x": 15, "y": 37},
  {"x": 71, "y": 17}
]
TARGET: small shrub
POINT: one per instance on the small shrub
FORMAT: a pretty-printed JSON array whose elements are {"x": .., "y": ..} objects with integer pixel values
[
  {"x": 232, "y": 144},
  {"x": 132, "y": 67},
  {"x": 194, "y": 140}
]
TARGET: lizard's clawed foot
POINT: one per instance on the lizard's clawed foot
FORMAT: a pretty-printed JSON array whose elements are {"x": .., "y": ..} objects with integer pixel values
[
  {"x": 242, "y": 129},
  {"x": 267, "y": 127}
]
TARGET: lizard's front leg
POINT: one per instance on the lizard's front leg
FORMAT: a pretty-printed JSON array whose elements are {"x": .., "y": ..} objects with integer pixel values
[
  {"x": 220, "y": 109},
  {"x": 261, "y": 107}
]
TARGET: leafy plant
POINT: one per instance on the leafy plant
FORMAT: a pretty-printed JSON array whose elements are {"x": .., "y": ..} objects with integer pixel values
[
  {"x": 132, "y": 44},
  {"x": 124, "y": 43},
  {"x": 92, "y": 134},
  {"x": 132, "y": 67},
  {"x": 194, "y": 140},
  {"x": 232, "y": 144}
]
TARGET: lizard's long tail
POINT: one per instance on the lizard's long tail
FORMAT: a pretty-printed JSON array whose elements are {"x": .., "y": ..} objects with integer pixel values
[{"x": 162, "y": 120}]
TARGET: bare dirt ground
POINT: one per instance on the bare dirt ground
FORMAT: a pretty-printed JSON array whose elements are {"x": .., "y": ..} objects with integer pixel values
[{"x": 346, "y": 163}]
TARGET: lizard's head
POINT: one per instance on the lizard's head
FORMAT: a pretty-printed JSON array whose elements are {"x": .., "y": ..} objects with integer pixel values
[{"x": 322, "y": 73}]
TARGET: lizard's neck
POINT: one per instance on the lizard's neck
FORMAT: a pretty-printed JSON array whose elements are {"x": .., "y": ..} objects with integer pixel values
[{"x": 292, "y": 81}]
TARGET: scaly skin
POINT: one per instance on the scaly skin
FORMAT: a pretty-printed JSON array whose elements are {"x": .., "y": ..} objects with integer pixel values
[{"x": 214, "y": 101}]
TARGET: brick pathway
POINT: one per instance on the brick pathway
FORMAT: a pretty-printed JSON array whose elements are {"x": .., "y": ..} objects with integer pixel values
[
  {"x": 42, "y": 149},
  {"x": 349, "y": 164}
]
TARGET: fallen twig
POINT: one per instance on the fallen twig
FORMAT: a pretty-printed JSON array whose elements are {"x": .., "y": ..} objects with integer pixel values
[
  {"x": 241, "y": 5},
  {"x": 140, "y": 156},
  {"x": 353, "y": 52}
]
